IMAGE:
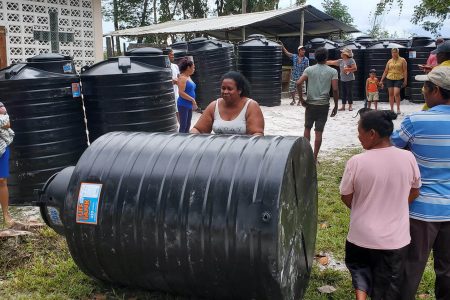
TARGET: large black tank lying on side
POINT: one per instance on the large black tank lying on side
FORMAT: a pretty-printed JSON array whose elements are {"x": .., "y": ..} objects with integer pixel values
[
  {"x": 43, "y": 100},
  {"x": 260, "y": 61},
  {"x": 220, "y": 217},
  {"x": 376, "y": 57},
  {"x": 418, "y": 55},
  {"x": 212, "y": 60},
  {"x": 124, "y": 93},
  {"x": 360, "y": 77}
]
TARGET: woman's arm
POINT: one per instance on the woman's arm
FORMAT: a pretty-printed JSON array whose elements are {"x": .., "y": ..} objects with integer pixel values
[
  {"x": 333, "y": 62},
  {"x": 386, "y": 69},
  {"x": 347, "y": 199},
  {"x": 367, "y": 87},
  {"x": 405, "y": 73},
  {"x": 413, "y": 194},
  {"x": 181, "y": 89},
  {"x": 254, "y": 119},
  {"x": 205, "y": 122}
]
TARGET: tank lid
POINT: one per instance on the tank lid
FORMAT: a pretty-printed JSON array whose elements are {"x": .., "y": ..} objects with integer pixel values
[
  {"x": 48, "y": 57},
  {"x": 364, "y": 37},
  {"x": 317, "y": 41},
  {"x": 256, "y": 36},
  {"x": 353, "y": 46},
  {"x": 119, "y": 65},
  {"x": 146, "y": 51},
  {"x": 386, "y": 45},
  {"x": 259, "y": 42}
]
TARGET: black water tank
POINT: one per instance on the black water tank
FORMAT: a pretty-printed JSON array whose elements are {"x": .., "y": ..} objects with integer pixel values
[
  {"x": 123, "y": 93},
  {"x": 366, "y": 40},
  {"x": 179, "y": 50},
  {"x": 360, "y": 77},
  {"x": 315, "y": 43},
  {"x": 150, "y": 56},
  {"x": 215, "y": 216},
  {"x": 212, "y": 60},
  {"x": 260, "y": 61},
  {"x": 418, "y": 55},
  {"x": 44, "y": 104},
  {"x": 377, "y": 56}
]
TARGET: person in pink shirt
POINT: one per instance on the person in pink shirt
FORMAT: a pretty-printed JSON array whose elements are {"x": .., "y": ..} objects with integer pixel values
[
  {"x": 377, "y": 186},
  {"x": 432, "y": 58}
]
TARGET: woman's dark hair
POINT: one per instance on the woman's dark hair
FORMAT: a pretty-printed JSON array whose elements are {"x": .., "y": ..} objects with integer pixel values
[
  {"x": 321, "y": 54},
  {"x": 430, "y": 86},
  {"x": 242, "y": 83},
  {"x": 184, "y": 63},
  {"x": 378, "y": 120}
]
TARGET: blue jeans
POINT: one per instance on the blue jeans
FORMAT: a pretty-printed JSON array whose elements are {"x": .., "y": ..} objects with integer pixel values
[{"x": 185, "y": 118}]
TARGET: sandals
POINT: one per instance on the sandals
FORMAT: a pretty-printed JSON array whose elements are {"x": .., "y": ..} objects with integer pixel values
[
  {"x": 292, "y": 103},
  {"x": 341, "y": 109}
]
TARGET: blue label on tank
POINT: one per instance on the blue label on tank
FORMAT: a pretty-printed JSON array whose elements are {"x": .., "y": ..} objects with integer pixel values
[
  {"x": 53, "y": 213},
  {"x": 67, "y": 68},
  {"x": 88, "y": 203},
  {"x": 312, "y": 56}
]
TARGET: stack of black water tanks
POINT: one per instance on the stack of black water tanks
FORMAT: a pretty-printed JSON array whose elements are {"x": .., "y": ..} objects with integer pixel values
[
  {"x": 260, "y": 61},
  {"x": 43, "y": 100},
  {"x": 130, "y": 93}
]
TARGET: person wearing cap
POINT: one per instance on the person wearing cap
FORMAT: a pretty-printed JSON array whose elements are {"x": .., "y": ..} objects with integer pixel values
[
  {"x": 347, "y": 67},
  {"x": 396, "y": 73},
  {"x": 427, "y": 134},
  {"x": 6, "y": 138},
  {"x": 299, "y": 63}
]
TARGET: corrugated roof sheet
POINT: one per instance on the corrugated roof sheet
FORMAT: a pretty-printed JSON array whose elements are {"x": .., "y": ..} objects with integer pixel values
[{"x": 273, "y": 23}]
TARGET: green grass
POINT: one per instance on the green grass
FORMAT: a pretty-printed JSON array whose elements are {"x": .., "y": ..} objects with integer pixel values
[{"x": 40, "y": 266}]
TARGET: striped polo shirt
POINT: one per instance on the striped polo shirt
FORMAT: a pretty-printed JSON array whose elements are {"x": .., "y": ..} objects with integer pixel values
[{"x": 427, "y": 135}]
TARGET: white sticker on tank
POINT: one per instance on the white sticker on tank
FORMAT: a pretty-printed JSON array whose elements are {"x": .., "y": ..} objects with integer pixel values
[
  {"x": 53, "y": 213},
  {"x": 88, "y": 203}
]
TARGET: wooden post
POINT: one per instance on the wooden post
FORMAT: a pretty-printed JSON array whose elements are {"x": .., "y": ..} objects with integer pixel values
[
  {"x": 109, "y": 47},
  {"x": 302, "y": 25},
  {"x": 3, "y": 61},
  {"x": 244, "y": 11}
]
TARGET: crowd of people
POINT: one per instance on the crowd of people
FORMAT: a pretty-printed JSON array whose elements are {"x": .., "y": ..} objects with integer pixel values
[{"x": 398, "y": 189}]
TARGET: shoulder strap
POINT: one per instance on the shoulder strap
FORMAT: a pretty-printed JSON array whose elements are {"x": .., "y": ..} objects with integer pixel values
[{"x": 216, "y": 111}]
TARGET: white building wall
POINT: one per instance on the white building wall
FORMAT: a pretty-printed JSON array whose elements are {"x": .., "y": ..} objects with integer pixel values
[{"x": 82, "y": 17}]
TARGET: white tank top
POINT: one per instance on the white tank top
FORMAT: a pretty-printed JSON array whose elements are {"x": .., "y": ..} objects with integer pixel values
[{"x": 236, "y": 126}]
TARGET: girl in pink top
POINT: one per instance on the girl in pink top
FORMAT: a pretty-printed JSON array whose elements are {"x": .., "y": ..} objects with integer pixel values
[{"x": 377, "y": 186}]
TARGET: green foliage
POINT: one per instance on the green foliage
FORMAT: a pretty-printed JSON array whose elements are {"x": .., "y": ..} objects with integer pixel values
[
  {"x": 439, "y": 10},
  {"x": 227, "y": 7},
  {"x": 337, "y": 10}
]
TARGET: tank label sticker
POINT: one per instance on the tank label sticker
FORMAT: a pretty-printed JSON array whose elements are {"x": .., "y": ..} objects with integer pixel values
[
  {"x": 88, "y": 201},
  {"x": 67, "y": 68},
  {"x": 53, "y": 213},
  {"x": 76, "y": 91},
  {"x": 412, "y": 54}
]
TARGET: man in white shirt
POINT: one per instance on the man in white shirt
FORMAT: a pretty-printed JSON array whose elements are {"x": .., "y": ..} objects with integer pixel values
[{"x": 175, "y": 74}]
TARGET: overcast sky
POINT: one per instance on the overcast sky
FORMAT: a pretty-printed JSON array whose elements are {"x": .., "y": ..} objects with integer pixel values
[{"x": 394, "y": 22}]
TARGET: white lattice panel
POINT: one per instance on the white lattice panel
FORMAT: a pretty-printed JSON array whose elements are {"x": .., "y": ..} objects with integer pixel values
[{"x": 21, "y": 17}]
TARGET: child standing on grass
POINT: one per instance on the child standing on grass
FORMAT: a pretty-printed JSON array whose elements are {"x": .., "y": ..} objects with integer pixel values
[
  {"x": 372, "y": 85},
  {"x": 377, "y": 186}
]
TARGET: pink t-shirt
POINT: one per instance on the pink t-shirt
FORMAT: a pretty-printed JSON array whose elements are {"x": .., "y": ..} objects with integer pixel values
[
  {"x": 432, "y": 60},
  {"x": 380, "y": 180}
]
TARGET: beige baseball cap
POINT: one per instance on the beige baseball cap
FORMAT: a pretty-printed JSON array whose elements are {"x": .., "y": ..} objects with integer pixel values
[
  {"x": 440, "y": 76},
  {"x": 301, "y": 47}
]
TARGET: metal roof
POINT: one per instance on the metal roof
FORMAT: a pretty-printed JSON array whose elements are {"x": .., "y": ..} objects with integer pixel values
[{"x": 273, "y": 23}]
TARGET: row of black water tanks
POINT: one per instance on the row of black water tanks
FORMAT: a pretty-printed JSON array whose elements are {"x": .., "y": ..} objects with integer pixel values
[
  {"x": 134, "y": 93},
  {"x": 130, "y": 93}
]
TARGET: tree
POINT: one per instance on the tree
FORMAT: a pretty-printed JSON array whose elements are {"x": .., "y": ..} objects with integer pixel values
[
  {"x": 227, "y": 7},
  {"x": 439, "y": 10},
  {"x": 337, "y": 10}
]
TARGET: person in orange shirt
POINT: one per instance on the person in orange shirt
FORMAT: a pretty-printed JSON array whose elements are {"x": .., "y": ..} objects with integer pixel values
[{"x": 372, "y": 85}]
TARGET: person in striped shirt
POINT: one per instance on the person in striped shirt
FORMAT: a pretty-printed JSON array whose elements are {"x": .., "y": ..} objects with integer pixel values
[{"x": 427, "y": 135}]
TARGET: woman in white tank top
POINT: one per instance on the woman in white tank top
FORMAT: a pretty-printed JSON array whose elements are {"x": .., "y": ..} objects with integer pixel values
[{"x": 234, "y": 112}]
